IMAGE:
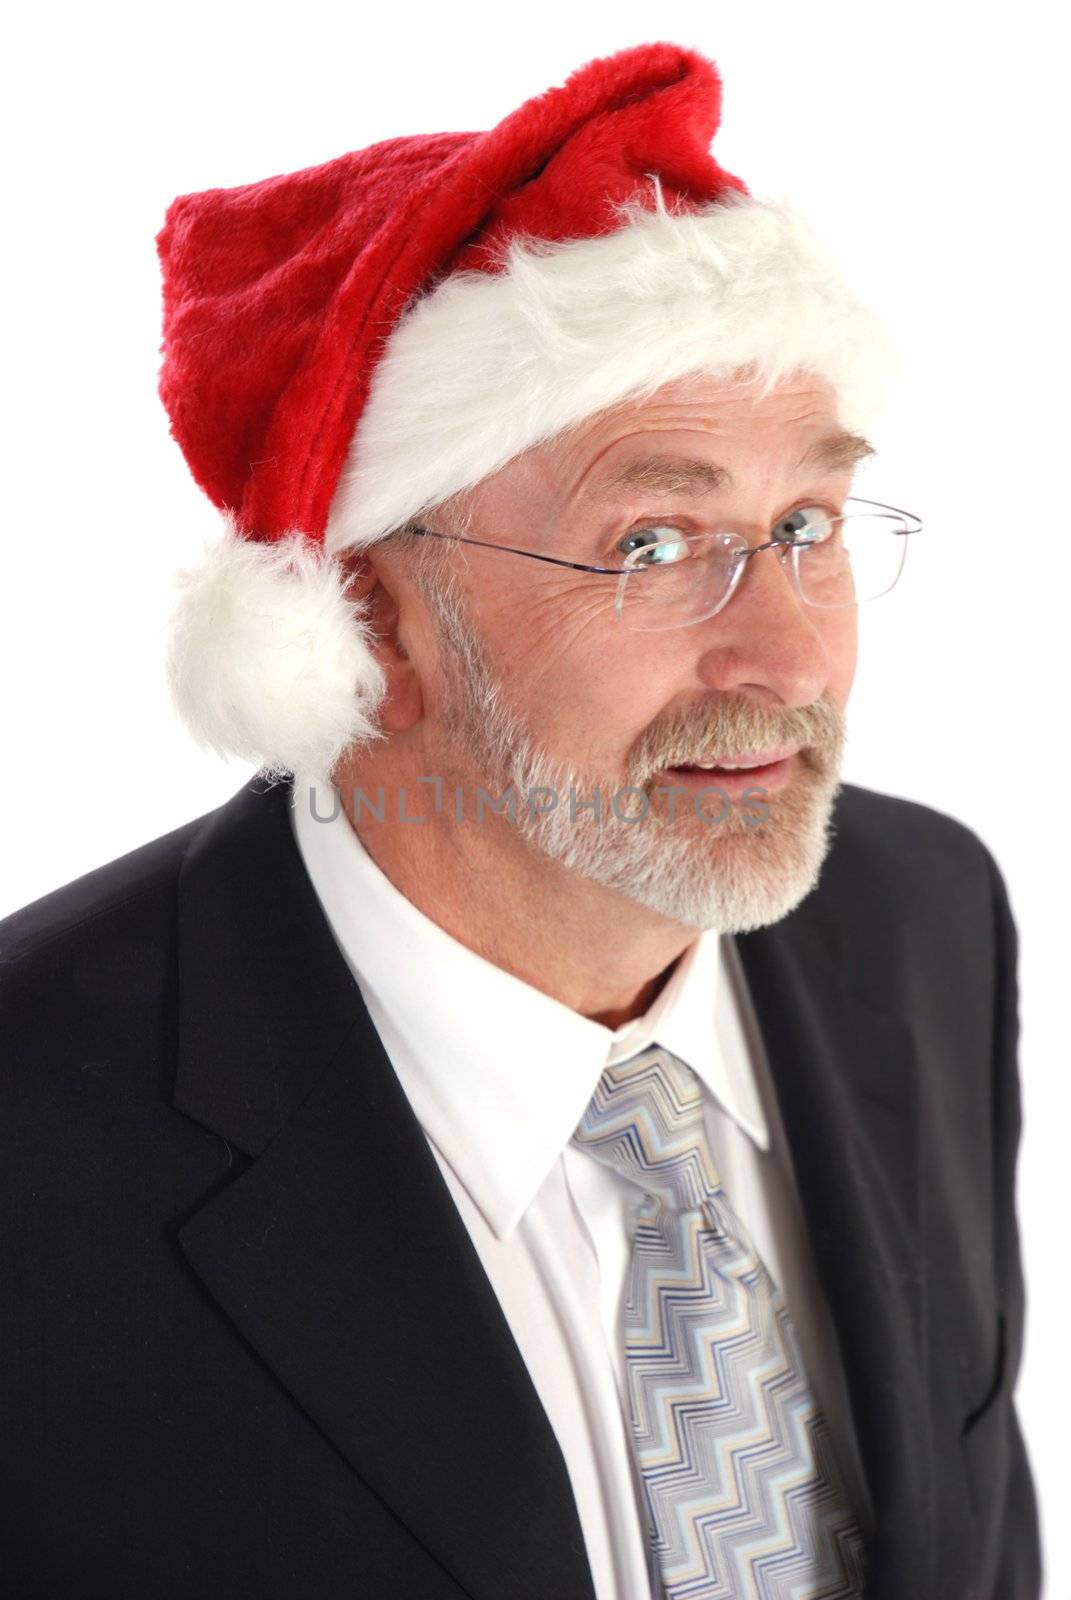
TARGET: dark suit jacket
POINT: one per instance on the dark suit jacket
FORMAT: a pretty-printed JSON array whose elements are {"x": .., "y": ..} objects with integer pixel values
[{"x": 247, "y": 1350}]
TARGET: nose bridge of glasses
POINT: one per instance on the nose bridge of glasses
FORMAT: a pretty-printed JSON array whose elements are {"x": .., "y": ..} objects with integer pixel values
[
  {"x": 742, "y": 562},
  {"x": 779, "y": 570},
  {"x": 770, "y": 585},
  {"x": 731, "y": 556}
]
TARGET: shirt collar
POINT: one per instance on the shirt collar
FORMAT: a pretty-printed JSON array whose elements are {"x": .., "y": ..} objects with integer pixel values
[{"x": 498, "y": 1073}]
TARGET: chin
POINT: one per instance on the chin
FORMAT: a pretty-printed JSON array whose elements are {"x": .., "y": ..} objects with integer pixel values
[
  {"x": 737, "y": 902},
  {"x": 732, "y": 877}
]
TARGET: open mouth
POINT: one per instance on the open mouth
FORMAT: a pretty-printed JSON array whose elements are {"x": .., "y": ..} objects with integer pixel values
[{"x": 735, "y": 778}]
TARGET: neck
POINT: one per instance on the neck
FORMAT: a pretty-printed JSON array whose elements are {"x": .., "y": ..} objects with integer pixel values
[{"x": 590, "y": 948}]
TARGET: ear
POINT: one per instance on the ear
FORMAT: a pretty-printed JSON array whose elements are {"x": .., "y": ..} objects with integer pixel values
[{"x": 368, "y": 578}]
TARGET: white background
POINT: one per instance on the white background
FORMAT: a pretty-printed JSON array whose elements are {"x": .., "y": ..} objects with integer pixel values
[{"x": 927, "y": 146}]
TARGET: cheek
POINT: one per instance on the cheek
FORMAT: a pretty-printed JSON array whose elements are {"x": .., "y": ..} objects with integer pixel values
[
  {"x": 549, "y": 633},
  {"x": 584, "y": 684},
  {"x": 840, "y": 632}
]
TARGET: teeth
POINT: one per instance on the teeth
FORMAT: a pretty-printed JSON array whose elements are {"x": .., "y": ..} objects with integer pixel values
[{"x": 727, "y": 766}]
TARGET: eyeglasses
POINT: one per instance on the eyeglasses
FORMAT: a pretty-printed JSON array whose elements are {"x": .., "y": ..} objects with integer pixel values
[{"x": 833, "y": 561}]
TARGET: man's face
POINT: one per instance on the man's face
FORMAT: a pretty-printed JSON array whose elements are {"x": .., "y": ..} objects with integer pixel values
[{"x": 539, "y": 685}]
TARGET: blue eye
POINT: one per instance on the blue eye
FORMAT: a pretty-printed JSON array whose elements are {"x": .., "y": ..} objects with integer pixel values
[
  {"x": 815, "y": 519},
  {"x": 669, "y": 549}
]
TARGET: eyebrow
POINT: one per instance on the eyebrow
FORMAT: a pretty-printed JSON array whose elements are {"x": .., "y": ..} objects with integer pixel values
[{"x": 666, "y": 475}]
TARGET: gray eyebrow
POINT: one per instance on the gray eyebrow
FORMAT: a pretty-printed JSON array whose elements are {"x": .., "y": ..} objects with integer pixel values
[{"x": 668, "y": 474}]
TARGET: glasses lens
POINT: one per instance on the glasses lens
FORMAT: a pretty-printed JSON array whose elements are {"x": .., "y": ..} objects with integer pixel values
[
  {"x": 677, "y": 581},
  {"x": 844, "y": 561},
  {"x": 851, "y": 560}
]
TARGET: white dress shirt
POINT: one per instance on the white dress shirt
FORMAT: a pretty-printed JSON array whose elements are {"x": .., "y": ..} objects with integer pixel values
[{"x": 499, "y": 1075}]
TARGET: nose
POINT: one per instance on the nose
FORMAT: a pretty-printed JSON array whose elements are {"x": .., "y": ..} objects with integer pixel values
[{"x": 766, "y": 638}]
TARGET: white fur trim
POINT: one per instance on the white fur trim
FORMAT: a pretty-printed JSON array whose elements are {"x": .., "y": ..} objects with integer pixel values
[
  {"x": 268, "y": 659},
  {"x": 486, "y": 365}
]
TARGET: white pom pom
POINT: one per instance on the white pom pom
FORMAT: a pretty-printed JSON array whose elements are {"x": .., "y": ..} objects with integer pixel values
[{"x": 269, "y": 661}]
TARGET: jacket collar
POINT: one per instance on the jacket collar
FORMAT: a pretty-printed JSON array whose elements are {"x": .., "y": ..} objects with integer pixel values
[{"x": 339, "y": 1254}]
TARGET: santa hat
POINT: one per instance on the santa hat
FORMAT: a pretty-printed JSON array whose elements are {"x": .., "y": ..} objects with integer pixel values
[{"x": 348, "y": 345}]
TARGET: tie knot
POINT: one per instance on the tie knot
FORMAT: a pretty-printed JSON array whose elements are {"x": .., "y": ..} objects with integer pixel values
[{"x": 645, "y": 1120}]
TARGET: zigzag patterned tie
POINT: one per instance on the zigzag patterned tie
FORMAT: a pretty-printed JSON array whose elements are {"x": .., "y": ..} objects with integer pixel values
[{"x": 744, "y": 1497}]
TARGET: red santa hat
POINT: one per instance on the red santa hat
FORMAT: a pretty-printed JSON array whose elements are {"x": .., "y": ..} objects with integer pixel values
[{"x": 348, "y": 345}]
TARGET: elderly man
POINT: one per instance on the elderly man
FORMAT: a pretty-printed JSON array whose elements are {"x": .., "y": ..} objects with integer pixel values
[{"x": 545, "y": 1138}]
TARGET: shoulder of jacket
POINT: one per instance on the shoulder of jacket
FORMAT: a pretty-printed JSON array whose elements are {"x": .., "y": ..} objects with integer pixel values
[
  {"x": 87, "y": 991},
  {"x": 93, "y": 907},
  {"x": 897, "y": 835},
  {"x": 913, "y": 892}
]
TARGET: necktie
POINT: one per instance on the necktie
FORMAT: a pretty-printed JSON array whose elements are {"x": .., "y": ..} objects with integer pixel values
[{"x": 744, "y": 1497}]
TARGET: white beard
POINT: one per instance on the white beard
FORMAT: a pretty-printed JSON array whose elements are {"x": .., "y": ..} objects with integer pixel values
[{"x": 732, "y": 876}]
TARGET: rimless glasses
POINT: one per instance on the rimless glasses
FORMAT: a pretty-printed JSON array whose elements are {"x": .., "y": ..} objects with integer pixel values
[{"x": 670, "y": 579}]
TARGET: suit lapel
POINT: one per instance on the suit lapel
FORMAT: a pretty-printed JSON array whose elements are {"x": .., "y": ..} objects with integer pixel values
[
  {"x": 845, "y": 1078},
  {"x": 338, "y": 1252},
  {"x": 340, "y": 1256}
]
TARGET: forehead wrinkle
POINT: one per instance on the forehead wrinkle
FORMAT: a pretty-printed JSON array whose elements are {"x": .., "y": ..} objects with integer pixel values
[{"x": 693, "y": 475}]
